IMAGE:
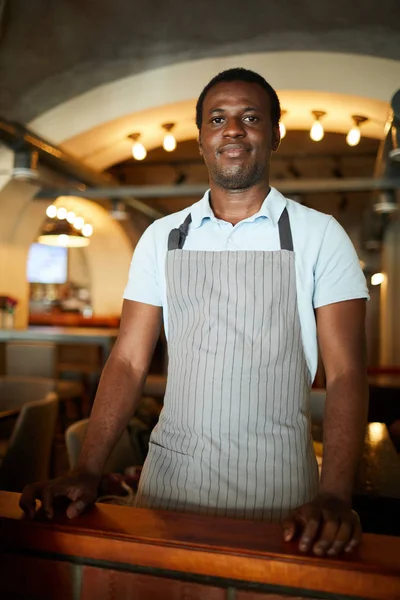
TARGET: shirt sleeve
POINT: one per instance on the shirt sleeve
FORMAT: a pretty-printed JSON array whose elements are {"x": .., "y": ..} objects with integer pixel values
[
  {"x": 143, "y": 282},
  {"x": 338, "y": 275}
]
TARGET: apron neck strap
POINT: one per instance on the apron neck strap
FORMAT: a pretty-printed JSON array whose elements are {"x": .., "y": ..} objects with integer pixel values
[
  {"x": 285, "y": 232},
  {"x": 177, "y": 237}
]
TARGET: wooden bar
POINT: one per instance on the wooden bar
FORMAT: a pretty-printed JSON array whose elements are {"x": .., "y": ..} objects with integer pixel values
[
  {"x": 102, "y": 337},
  {"x": 129, "y": 547},
  {"x": 61, "y": 335}
]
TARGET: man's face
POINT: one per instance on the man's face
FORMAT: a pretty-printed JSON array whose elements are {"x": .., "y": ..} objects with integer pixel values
[{"x": 237, "y": 136}]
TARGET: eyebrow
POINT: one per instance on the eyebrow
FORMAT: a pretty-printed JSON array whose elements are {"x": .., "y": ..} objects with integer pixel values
[{"x": 245, "y": 109}]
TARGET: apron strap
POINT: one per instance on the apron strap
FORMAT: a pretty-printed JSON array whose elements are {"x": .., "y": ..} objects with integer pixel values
[
  {"x": 285, "y": 233},
  {"x": 177, "y": 237}
]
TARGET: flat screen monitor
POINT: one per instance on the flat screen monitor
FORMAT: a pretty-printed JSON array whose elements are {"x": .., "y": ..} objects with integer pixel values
[{"x": 47, "y": 264}]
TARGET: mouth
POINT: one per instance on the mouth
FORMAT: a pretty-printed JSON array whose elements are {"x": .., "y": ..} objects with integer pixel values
[{"x": 234, "y": 150}]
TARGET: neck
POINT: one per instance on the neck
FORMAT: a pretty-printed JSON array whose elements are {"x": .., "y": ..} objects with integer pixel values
[{"x": 234, "y": 206}]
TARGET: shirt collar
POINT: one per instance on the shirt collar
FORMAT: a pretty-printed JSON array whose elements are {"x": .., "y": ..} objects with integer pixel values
[{"x": 272, "y": 208}]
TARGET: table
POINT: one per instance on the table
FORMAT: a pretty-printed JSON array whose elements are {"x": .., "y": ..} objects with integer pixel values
[
  {"x": 384, "y": 380},
  {"x": 102, "y": 337},
  {"x": 377, "y": 484},
  {"x": 384, "y": 397}
]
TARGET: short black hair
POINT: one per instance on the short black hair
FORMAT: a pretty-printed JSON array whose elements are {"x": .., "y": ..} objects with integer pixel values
[{"x": 240, "y": 74}]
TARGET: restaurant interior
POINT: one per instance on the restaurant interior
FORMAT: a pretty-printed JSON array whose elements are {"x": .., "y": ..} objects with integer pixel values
[{"x": 91, "y": 153}]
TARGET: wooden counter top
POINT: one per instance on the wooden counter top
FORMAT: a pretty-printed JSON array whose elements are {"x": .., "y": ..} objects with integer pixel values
[
  {"x": 226, "y": 553},
  {"x": 73, "y": 335},
  {"x": 72, "y": 319}
]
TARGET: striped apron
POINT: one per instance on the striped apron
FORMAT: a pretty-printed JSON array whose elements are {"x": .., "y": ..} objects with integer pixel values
[{"x": 234, "y": 435}]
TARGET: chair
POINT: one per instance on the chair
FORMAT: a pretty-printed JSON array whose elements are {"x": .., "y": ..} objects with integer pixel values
[
  {"x": 16, "y": 391},
  {"x": 317, "y": 405},
  {"x": 83, "y": 362},
  {"x": 122, "y": 456},
  {"x": 28, "y": 454},
  {"x": 155, "y": 386}
]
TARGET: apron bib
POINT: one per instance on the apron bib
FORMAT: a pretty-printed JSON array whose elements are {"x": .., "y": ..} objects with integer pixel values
[{"x": 234, "y": 435}]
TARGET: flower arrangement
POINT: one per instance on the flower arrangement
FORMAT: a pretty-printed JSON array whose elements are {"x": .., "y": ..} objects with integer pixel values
[
  {"x": 8, "y": 303},
  {"x": 7, "y": 309}
]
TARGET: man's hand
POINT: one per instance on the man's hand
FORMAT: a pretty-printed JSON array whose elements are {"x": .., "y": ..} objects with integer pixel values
[
  {"x": 80, "y": 488},
  {"x": 327, "y": 525}
]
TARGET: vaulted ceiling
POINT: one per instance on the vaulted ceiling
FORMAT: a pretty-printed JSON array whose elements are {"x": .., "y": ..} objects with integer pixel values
[{"x": 51, "y": 51}]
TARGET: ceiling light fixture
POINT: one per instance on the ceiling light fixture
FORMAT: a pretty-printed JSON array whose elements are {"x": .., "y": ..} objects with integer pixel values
[
  {"x": 61, "y": 233},
  {"x": 139, "y": 152},
  {"x": 118, "y": 210},
  {"x": 377, "y": 278},
  {"x": 282, "y": 126},
  {"x": 87, "y": 230},
  {"x": 317, "y": 130},
  {"x": 386, "y": 203},
  {"x": 71, "y": 216},
  {"x": 61, "y": 213},
  {"x": 78, "y": 223},
  {"x": 51, "y": 211},
  {"x": 354, "y": 135},
  {"x": 64, "y": 228},
  {"x": 169, "y": 143}
]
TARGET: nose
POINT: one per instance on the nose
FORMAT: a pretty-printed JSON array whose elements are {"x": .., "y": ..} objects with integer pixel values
[{"x": 234, "y": 128}]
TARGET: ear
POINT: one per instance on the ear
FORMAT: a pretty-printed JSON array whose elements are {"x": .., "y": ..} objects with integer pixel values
[
  {"x": 276, "y": 138},
  {"x": 200, "y": 145}
]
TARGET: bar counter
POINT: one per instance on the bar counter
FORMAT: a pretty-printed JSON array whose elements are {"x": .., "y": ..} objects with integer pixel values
[
  {"x": 65, "y": 335},
  {"x": 103, "y": 337},
  {"x": 117, "y": 552}
]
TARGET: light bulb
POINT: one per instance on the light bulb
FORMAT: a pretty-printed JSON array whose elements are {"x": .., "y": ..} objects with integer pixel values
[
  {"x": 62, "y": 240},
  {"x": 377, "y": 432},
  {"x": 87, "y": 230},
  {"x": 377, "y": 279},
  {"x": 282, "y": 129},
  {"x": 79, "y": 223},
  {"x": 51, "y": 211},
  {"x": 169, "y": 143},
  {"x": 138, "y": 151},
  {"x": 71, "y": 216},
  {"x": 354, "y": 136},
  {"x": 61, "y": 213},
  {"x": 317, "y": 131}
]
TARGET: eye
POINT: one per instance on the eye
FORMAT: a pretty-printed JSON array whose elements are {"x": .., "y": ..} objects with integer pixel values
[
  {"x": 217, "y": 120},
  {"x": 251, "y": 119}
]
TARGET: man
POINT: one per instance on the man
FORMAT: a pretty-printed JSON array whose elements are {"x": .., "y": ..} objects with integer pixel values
[{"x": 246, "y": 280}]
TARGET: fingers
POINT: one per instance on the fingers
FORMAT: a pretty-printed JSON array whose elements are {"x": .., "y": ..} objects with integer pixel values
[
  {"x": 75, "y": 509},
  {"x": 310, "y": 531},
  {"x": 327, "y": 526},
  {"x": 289, "y": 528},
  {"x": 80, "y": 491},
  {"x": 48, "y": 495},
  {"x": 27, "y": 501},
  {"x": 357, "y": 533},
  {"x": 79, "y": 505},
  {"x": 328, "y": 535},
  {"x": 342, "y": 538},
  {"x": 348, "y": 536}
]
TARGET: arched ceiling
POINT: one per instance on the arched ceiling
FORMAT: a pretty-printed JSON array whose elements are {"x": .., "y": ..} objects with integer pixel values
[
  {"x": 108, "y": 144},
  {"x": 53, "y": 51}
]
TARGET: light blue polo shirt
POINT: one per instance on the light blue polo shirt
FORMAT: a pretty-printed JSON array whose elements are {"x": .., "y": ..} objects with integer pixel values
[{"x": 327, "y": 266}]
